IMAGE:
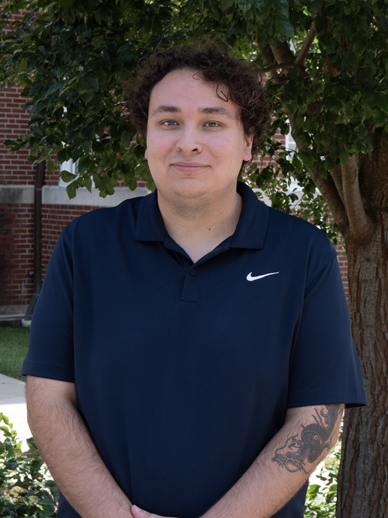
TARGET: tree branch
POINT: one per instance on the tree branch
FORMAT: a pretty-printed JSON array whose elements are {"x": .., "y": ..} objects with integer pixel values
[
  {"x": 336, "y": 175},
  {"x": 270, "y": 60},
  {"x": 328, "y": 190},
  {"x": 300, "y": 58},
  {"x": 266, "y": 53},
  {"x": 360, "y": 224},
  {"x": 282, "y": 52}
]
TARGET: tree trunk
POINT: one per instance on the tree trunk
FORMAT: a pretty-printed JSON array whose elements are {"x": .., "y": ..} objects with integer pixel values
[{"x": 363, "y": 477}]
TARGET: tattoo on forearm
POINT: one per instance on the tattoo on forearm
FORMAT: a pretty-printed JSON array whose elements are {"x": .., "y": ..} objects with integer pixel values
[{"x": 315, "y": 438}]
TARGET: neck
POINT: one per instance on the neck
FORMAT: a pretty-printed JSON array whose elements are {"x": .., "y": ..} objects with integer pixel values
[{"x": 198, "y": 226}]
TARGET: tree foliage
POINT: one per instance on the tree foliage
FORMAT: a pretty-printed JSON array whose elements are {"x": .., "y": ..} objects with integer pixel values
[{"x": 328, "y": 63}]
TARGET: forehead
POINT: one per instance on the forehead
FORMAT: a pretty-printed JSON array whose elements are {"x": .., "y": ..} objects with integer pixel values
[{"x": 187, "y": 90}]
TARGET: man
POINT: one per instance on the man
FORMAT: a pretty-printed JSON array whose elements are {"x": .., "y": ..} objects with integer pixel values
[{"x": 191, "y": 352}]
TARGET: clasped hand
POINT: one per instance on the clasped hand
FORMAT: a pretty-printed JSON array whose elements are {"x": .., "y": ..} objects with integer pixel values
[{"x": 140, "y": 513}]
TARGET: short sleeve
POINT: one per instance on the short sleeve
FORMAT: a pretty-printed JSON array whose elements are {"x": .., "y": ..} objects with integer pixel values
[
  {"x": 50, "y": 351},
  {"x": 324, "y": 365}
]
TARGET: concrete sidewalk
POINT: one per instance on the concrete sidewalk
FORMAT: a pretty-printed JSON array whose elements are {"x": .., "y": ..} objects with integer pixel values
[{"x": 13, "y": 406}]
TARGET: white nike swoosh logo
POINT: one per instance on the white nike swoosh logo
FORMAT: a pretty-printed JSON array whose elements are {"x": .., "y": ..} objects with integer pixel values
[{"x": 250, "y": 278}]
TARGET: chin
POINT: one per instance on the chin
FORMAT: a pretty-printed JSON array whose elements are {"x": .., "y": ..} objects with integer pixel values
[{"x": 191, "y": 188}]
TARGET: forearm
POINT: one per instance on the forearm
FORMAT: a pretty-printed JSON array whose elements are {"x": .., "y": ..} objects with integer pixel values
[
  {"x": 71, "y": 455},
  {"x": 281, "y": 469}
]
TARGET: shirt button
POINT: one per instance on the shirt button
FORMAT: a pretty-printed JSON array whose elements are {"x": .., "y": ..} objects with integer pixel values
[{"x": 193, "y": 271}]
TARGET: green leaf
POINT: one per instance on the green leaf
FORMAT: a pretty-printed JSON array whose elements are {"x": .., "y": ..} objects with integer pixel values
[
  {"x": 285, "y": 28},
  {"x": 359, "y": 43},
  {"x": 103, "y": 14},
  {"x": 66, "y": 176},
  {"x": 126, "y": 137},
  {"x": 245, "y": 4},
  {"x": 35, "y": 118},
  {"x": 25, "y": 92},
  {"x": 307, "y": 156},
  {"x": 71, "y": 190},
  {"x": 81, "y": 86},
  {"x": 92, "y": 83},
  {"x": 87, "y": 146},
  {"x": 142, "y": 169},
  {"x": 9, "y": 142},
  {"x": 263, "y": 7},
  {"x": 157, "y": 26},
  {"x": 53, "y": 88},
  {"x": 36, "y": 132},
  {"x": 320, "y": 24},
  {"x": 87, "y": 97},
  {"x": 227, "y": 3},
  {"x": 50, "y": 166},
  {"x": 382, "y": 102},
  {"x": 88, "y": 184},
  {"x": 281, "y": 7},
  {"x": 83, "y": 164},
  {"x": 379, "y": 119},
  {"x": 62, "y": 156},
  {"x": 344, "y": 156},
  {"x": 66, "y": 3}
]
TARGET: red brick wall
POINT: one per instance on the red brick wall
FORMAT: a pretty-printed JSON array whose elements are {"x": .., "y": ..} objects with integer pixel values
[
  {"x": 16, "y": 253},
  {"x": 14, "y": 168}
]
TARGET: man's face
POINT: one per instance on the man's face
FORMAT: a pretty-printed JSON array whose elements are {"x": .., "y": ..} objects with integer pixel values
[{"x": 195, "y": 140}]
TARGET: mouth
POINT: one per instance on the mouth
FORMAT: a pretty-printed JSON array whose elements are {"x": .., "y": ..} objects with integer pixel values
[{"x": 188, "y": 167}]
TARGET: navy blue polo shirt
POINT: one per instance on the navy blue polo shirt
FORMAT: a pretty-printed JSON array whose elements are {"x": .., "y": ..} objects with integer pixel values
[{"x": 184, "y": 372}]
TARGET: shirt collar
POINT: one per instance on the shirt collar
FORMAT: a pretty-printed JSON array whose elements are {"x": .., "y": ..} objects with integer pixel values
[
  {"x": 250, "y": 231},
  {"x": 252, "y": 226},
  {"x": 149, "y": 225}
]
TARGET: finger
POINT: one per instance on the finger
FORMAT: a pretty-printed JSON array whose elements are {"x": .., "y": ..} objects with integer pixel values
[{"x": 140, "y": 513}]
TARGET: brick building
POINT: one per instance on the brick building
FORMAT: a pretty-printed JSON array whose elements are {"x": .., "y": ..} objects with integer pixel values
[{"x": 17, "y": 180}]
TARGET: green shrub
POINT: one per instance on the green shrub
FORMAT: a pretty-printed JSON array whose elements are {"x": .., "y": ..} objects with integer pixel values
[
  {"x": 321, "y": 498},
  {"x": 26, "y": 488}
]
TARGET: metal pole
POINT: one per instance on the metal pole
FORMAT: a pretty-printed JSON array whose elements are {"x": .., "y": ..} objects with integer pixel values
[{"x": 39, "y": 179}]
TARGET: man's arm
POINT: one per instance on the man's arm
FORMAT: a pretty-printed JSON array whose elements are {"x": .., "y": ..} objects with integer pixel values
[
  {"x": 69, "y": 451},
  {"x": 282, "y": 468}
]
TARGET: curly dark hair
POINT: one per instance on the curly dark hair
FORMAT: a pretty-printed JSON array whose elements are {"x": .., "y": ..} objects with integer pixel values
[{"x": 242, "y": 79}]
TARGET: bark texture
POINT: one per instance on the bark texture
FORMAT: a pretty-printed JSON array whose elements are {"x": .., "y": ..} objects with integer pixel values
[{"x": 363, "y": 478}]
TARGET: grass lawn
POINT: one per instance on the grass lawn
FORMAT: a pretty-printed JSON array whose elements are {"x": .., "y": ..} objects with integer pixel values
[{"x": 13, "y": 350}]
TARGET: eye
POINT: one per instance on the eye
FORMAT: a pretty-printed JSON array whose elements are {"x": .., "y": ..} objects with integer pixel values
[
  {"x": 212, "y": 124},
  {"x": 169, "y": 123}
]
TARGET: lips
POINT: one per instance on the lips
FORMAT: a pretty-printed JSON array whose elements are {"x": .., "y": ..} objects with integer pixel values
[
  {"x": 189, "y": 164},
  {"x": 189, "y": 167}
]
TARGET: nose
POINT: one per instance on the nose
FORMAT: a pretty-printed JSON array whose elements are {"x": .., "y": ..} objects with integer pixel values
[{"x": 189, "y": 141}]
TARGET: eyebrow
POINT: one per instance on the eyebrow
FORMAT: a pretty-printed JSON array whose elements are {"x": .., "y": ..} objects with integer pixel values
[{"x": 210, "y": 110}]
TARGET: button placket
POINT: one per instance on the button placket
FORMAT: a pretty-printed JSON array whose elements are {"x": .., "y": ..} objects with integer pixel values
[{"x": 189, "y": 291}]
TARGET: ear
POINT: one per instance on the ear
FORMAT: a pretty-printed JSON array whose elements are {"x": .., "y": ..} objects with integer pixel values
[
  {"x": 248, "y": 148},
  {"x": 146, "y": 154}
]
